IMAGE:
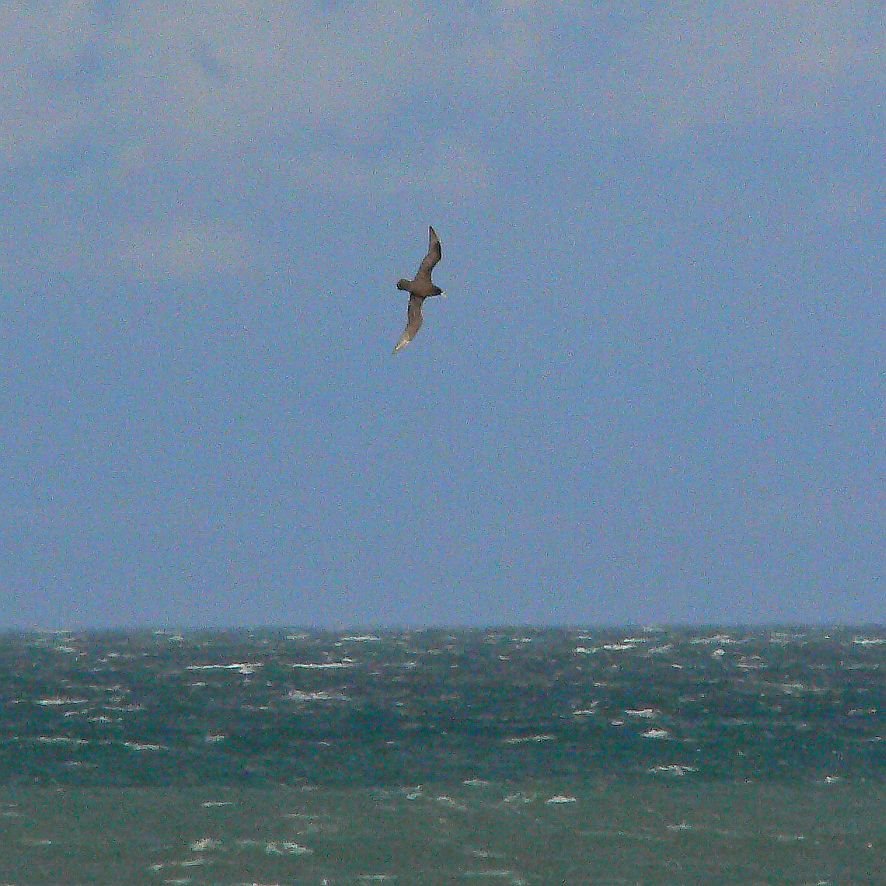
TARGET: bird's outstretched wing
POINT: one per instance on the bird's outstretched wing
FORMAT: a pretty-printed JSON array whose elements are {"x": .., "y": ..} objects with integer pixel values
[
  {"x": 435, "y": 253},
  {"x": 413, "y": 322}
]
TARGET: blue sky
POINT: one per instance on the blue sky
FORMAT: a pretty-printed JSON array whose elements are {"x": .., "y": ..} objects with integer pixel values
[{"x": 654, "y": 393}]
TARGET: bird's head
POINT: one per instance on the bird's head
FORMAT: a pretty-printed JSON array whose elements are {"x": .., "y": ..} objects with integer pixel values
[{"x": 403, "y": 284}]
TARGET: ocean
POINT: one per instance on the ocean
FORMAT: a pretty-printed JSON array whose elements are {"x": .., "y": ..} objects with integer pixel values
[{"x": 501, "y": 756}]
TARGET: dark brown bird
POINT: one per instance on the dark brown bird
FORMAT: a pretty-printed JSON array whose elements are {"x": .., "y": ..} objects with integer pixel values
[{"x": 419, "y": 289}]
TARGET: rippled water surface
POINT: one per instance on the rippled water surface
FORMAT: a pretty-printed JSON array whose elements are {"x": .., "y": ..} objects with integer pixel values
[{"x": 514, "y": 756}]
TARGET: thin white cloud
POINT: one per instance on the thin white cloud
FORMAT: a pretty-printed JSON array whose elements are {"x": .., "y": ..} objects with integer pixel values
[
  {"x": 191, "y": 76},
  {"x": 180, "y": 80},
  {"x": 302, "y": 95},
  {"x": 693, "y": 66},
  {"x": 183, "y": 249},
  {"x": 176, "y": 81},
  {"x": 302, "y": 88},
  {"x": 40, "y": 102},
  {"x": 451, "y": 168}
]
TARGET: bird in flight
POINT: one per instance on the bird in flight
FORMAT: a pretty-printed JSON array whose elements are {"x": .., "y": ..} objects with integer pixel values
[{"x": 419, "y": 289}]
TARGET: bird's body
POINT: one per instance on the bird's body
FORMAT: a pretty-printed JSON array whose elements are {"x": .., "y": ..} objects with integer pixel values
[{"x": 420, "y": 288}]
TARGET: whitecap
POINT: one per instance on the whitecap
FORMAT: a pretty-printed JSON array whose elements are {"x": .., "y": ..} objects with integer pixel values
[
  {"x": 523, "y": 739},
  {"x": 782, "y": 638},
  {"x": 59, "y": 700},
  {"x": 520, "y": 797},
  {"x": 285, "y": 847},
  {"x": 750, "y": 663},
  {"x": 647, "y": 713},
  {"x": 318, "y": 695},
  {"x": 452, "y": 804},
  {"x": 673, "y": 769},
  {"x": 558, "y": 799},
  {"x": 242, "y": 667},
  {"x": 323, "y": 665},
  {"x": 657, "y": 733}
]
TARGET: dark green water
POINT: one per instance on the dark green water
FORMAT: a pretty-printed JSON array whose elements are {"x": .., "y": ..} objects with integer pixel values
[{"x": 522, "y": 756}]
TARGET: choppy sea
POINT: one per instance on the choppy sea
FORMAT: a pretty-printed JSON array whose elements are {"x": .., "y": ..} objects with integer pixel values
[{"x": 515, "y": 756}]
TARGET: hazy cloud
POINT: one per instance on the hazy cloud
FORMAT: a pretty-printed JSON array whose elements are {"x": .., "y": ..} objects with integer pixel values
[
  {"x": 321, "y": 97},
  {"x": 211, "y": 71},
  {"x": 698, "y": 65},
  {"x": 207, "y": 76},
  {"x": 184, "y": 249},
  {"x": 41, "y": 98},
  {"x": 451, "y": 168}
]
